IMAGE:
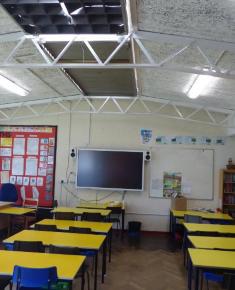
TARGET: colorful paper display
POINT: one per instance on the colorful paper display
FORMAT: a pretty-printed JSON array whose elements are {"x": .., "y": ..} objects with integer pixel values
[{"x": 27, "y": 158}]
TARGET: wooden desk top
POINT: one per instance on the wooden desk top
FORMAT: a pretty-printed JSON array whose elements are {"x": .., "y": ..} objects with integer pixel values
[
  {"x": 212, "y": 258},
  {"x": 16, "y": 210},
  {"x": 83, "y": 241},
  {"x": 80, "y": 211},
  {"x": 67, "y": 265},
  {"x": 202, "y": 242},
  {"x": 204, "y": 215},
  {"x": 98, "y": 227},
  {"x": 223, "y": 229}
]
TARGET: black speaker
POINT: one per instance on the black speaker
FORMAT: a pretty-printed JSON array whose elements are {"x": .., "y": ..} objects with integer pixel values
[
  {"x": 73, "y": 153},
  {"x": 147, "y": 156}
]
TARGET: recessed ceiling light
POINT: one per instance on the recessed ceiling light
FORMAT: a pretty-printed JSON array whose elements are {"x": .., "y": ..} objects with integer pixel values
[
  {"x": 12, "y": 87},
  {"x": 201, "y": 83}
]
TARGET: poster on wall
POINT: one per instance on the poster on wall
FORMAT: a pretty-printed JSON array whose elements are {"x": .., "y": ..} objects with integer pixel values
[
  {"x": 171, "y": 184},
  {"x": 28, "y": 158},
  {"x": 146, "y": 135}
]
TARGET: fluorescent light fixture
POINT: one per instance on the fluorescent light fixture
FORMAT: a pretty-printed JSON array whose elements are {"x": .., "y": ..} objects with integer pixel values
[
  {"x": 12, "y": 87},
  {"x": 79, "y": 37},
  {"x": 64, "y": 8},
  {"x": 200, "y": 85},
  {"x": 77, "y": 11}
]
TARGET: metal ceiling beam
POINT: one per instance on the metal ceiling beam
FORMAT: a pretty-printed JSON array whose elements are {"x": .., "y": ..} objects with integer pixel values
[
  {"x": 137, "y": 37},
  {"x": 122, "y": 106},
  {"x": 185, "y": 40}
]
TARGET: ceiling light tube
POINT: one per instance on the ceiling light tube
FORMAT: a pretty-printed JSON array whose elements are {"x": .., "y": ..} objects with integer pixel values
[
  {"x": 12, "y": 87},
  {"x": 200, "y": 85},
  {"x": 42, "y": 38},
  {"x": 64, "y": 8}
]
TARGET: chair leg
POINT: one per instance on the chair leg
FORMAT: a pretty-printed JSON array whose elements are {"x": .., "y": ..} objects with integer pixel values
[
  {"x": 201, "y": 281},
  {"x": 207, "y": 284},
  {"x": 88, "y": 280}
]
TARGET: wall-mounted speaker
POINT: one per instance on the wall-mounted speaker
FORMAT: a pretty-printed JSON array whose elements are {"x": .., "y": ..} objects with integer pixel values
[
  {"x": 147, "y": 156},
  {"x": 73, "y": 152}
]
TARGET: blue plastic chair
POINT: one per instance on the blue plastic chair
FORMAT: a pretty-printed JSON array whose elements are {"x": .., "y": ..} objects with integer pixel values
[
  {"x": 8, "y": 192},
  {"x": 209, "y": 276},
  {"x": 34, "y": 278}
]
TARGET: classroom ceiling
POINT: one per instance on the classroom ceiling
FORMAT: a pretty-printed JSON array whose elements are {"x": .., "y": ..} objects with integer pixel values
[{"x": 207, "y": 19}]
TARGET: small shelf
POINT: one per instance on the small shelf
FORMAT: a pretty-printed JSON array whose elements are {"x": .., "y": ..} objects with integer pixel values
[{"x": 227, "y": 182}]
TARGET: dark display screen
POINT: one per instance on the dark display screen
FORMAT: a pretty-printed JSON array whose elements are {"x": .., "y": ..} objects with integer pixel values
[{"x": 121, "y": 170}]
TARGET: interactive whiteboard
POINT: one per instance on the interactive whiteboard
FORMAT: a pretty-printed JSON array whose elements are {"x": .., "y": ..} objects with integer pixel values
[{"x": 196, "y": 167}]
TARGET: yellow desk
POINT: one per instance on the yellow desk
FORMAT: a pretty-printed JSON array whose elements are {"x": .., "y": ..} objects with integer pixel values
[
  {"x": 179, "y": 214},
  {"x": 223, "y": 243},
  {"x": 93, "y": 205},
  {"x": 96, "y": 227},
  {"x": 204, "y": 215},
  {"x": 67, "y": 265},
  {"x": 107, "y": 205},
  {"x": 16, "y": 210},
  {"x": 80, "y": 211},
  {"x": 8, "y": 212},
  {"x": 82, "y": 241},
  {"x": 210, "y": 228},
  {"x": 204, "y": 259}
]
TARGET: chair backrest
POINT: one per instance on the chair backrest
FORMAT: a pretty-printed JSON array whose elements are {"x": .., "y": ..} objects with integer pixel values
[
  {"x": 195, "y": 219},
  {"x": 40, "y": 227},
  {"x": 80, "y": 230},
  {"x": 35, "y": 193},
  {"x": 115, "y": 210},
  {"x": 32, "y": 278},
  {"x": 55, "y": 203},
  {"x": 22, "y": 193},
  {"x": 64, "y": 216},
  {"x": 29, "y": 246},
  {"x": 90, "y": 216},
  {"x": 28, "y": 201},
  {"x": 8, "y": 192},
  {"x": 63, "y": 250}
]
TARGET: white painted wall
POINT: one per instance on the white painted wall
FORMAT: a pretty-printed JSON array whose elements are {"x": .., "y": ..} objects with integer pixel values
[{"x": 123, "y": 132}]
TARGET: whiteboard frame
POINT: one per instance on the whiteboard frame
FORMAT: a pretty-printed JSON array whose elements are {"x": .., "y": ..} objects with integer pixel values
[{"x": 213, "y": 172}]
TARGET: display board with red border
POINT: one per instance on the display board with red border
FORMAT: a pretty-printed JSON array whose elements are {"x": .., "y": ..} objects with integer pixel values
[{"x": 27, "y": 159}]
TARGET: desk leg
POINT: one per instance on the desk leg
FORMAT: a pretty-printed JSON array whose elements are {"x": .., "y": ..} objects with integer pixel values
[
  {"x": 196, "y": 286},
  {"x": 96, "y": 266},
  {"x": 123, "y": 222},
  {"x": 170, "y": 226},
  {"x": 9, "y": 222},
  {"x": 173, "y": 226},
  {"x": 110, "y": 244},
  {"x": 104, "y": 259},
  {"x": 26, "y": 222},
  {"x": 189, "y": 274},
  {"x": 83, "y": 278}
]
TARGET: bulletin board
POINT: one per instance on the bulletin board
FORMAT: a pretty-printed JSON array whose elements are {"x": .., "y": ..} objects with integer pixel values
[
  {"x": 195, "y": 167},
  {"x": 27, "y": 158}
]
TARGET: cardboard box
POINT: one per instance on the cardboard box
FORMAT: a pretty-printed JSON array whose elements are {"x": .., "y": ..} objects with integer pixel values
[{"x": 179, "y": 203}]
